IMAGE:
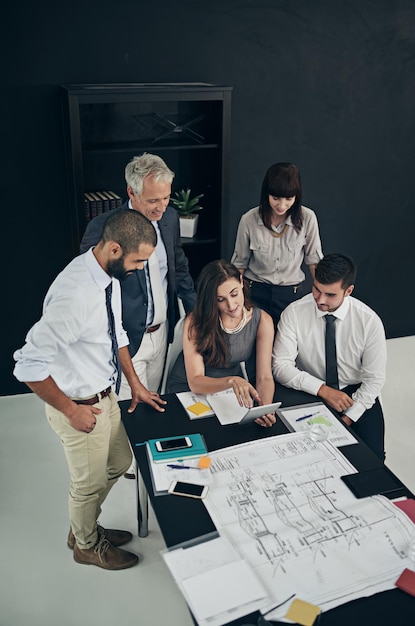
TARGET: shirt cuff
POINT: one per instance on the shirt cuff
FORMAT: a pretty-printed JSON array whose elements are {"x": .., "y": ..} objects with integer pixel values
[{"x": 355, "y": 411}]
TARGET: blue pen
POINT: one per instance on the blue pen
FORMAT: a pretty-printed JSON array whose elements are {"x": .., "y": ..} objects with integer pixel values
[
  {"x": 305, "y": 417},
  {"x": 181, "y": 466}
]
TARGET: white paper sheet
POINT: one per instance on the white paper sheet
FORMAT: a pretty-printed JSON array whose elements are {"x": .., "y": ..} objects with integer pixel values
[
  {"x": 163, "y": 475},
  {"x": 217, "y": 585},
  {"x": 226, "y": 407},
  {"x": 187, "y": 399},
  {"x": 282, "y": 504},
  {"x": 319, "y": 414}
]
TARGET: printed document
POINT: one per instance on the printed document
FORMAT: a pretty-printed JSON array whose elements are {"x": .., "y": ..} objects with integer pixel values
[{"x": 282, "y": 504}]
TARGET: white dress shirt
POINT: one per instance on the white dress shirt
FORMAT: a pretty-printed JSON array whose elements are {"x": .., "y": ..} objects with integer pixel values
[
  {"x": 156, "y": 279},
  {"x": 298, "y": 357},
  {"x": 71, "y": 342}
]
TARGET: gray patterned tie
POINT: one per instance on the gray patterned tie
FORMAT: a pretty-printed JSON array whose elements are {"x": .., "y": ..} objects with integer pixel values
[{"x": 114, "y": 342}]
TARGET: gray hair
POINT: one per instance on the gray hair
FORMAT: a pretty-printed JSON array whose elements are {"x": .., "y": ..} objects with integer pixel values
[{"x": 146, "y": 165}]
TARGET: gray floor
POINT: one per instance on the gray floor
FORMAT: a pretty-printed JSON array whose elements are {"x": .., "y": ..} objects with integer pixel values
[{"x": 41, "y": 585}]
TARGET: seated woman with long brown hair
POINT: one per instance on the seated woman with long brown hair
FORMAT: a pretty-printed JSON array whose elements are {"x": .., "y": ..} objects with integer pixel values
[{"x": 223, "y": 330}]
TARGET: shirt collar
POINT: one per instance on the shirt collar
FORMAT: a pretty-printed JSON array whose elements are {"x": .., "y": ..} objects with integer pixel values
[
  {"x": 287, "y": 221},
  {"x": 340, "y": 313},
  {"x": 99, "y": 275}
]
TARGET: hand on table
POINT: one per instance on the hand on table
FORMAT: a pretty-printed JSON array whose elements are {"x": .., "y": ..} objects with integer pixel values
[
  {"x": 141, "y": 394},
  {"x": 338, "y": 400}
]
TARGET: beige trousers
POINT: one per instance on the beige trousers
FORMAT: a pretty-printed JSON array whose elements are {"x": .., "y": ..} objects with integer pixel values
[{"x": 95, "y": 461}]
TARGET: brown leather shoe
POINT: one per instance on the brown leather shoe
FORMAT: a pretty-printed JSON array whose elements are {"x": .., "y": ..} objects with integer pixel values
[
  {"x": 116, "y": 537},
  {"x": 104, "y": 555}
]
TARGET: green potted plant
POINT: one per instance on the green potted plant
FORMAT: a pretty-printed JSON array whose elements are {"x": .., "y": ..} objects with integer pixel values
[{"x": 186, "y": 207}]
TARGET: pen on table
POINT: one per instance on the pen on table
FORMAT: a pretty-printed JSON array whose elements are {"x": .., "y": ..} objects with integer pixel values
[
  {"x": 181, "y": 466},
  {"x": 305, "y": 417}
]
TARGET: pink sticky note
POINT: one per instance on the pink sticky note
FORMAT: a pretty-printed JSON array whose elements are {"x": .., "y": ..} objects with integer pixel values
[{"x": 406, "y": 581}]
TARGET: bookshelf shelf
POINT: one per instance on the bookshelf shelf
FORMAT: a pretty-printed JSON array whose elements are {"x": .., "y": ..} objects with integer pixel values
[
  {"x": 187, "y": 124},
  {"x": 128, "y": 146}
]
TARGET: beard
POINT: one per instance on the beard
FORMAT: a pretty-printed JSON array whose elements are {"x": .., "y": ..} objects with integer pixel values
[{"x": 116, "y": 269}]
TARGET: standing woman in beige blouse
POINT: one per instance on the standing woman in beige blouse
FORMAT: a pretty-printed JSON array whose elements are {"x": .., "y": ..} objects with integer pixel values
[{"x": 275, "y": 238}]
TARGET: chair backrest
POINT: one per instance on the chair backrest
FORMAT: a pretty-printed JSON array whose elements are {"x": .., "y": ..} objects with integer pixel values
[
  {"x": 173, "y": 351},
  {"x": 243, "y": 368}
]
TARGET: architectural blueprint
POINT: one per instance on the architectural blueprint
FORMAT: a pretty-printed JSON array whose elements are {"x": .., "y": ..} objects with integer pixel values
[{"x": 282, "y": 504}]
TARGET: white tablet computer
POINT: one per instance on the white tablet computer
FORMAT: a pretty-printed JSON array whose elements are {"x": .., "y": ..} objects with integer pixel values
[{"x": 258, "y": 411}]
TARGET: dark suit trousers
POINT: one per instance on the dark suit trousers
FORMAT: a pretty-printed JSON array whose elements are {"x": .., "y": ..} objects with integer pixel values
[{"x": 371, "y": 426}]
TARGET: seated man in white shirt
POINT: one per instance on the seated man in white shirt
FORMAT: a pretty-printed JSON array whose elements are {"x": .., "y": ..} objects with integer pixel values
[{"x": 299, "y": 354}]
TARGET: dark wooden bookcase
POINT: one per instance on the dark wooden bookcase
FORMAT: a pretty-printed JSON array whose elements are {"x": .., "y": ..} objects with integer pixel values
[{"x": 187, "y": 124}]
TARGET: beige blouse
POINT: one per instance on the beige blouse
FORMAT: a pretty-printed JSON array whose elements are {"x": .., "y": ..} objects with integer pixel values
[{"x": 276, "y": 260}]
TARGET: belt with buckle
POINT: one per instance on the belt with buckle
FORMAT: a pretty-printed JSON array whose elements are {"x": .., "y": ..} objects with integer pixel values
[
  {"x": 270, "y": 286},
  {"x": 152, "y": 329},
  {"x": 96, "y": 398}
]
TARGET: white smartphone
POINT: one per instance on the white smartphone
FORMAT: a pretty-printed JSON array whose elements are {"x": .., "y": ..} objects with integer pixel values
[
  {"x": 190, "y": 490},
  {"x": 174, "y": 443}
]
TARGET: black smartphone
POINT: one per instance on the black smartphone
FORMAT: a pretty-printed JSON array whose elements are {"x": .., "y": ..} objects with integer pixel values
[
  {"x": 377, "y": 481},
  {"x": 190, "y": 490}
]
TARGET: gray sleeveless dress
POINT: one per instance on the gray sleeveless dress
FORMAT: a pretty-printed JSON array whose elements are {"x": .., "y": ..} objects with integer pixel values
[{"x": 241, "y": 348}]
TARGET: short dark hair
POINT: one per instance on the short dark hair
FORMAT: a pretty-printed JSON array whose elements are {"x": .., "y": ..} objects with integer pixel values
[
  {"x": 335, "y": 267},
  {"x": 282, "y": 180},
  {"x": 129, "y": 229}
]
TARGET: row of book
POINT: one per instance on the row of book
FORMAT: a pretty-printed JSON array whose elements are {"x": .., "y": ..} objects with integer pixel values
[{"x": 96, "y": 202}]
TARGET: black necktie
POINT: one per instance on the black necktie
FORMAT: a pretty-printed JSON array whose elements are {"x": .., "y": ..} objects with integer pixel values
[
  {"x": 114, "y": 342},
  {"x": 332, "y": 378}
]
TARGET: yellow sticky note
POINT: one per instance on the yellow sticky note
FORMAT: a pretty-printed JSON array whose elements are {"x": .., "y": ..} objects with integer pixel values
[
  {"x": 302, "y": 612},
  {"x": 204, "y": 462},
  {"x": 198, "y": 408}
]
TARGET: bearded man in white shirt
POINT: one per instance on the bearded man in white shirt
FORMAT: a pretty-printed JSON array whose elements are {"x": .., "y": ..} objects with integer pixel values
[
  {"x": 72, "y": 357},
  {"x": 299, "y": 357}
]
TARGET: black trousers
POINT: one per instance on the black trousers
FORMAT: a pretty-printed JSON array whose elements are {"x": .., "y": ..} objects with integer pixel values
[
  {"x": 370, "y": 426},
  {"x": 274, "y": 298}
]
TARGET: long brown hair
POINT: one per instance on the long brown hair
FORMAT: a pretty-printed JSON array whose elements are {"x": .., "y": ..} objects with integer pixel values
[{"x": 211, "y": 341}]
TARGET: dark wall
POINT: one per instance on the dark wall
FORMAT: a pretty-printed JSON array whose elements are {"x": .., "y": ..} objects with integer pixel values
[{"x": 327, "y": 84}]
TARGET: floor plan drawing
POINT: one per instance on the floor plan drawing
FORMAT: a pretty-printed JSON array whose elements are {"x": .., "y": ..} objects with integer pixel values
[{"x": 282, "y": 504}]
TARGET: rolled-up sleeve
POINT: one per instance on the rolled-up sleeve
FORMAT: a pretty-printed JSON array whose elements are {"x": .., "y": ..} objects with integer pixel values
[
  {"x": 52, "y": 333},
  {"x": 242, "y": 251},
  {"x": 313, "y": 252}
]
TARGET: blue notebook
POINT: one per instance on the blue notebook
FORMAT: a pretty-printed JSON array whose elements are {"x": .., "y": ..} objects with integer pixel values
[{"x": 198, "y": 448}]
